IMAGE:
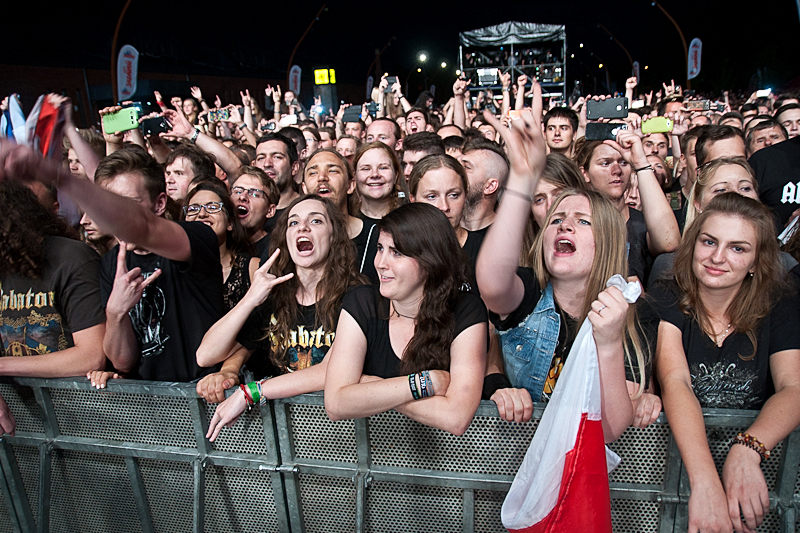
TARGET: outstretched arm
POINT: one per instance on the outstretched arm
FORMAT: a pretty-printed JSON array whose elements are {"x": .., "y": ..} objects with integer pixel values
[
  {"x": 125, "y": 219},
  {"x": 181, "y": 127},
  {"x": 496, "y": 269}
]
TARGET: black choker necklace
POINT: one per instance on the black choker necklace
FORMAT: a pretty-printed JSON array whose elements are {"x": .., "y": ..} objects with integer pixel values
[{"x": 404, "y": 316}]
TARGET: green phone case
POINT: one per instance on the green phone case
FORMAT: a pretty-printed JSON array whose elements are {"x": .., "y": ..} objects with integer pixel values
[{"x": 123, "y": 120}]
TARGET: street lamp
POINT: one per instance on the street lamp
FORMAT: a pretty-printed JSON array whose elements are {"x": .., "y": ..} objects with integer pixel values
[
  {"x": 423, "y": 57},
  {"x": 444, "y": 64}
]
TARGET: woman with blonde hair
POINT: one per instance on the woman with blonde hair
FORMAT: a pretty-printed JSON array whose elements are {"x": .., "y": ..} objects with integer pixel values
[
  {"x": 726, "y": 174},
  {"x": 537, "y": 311}
]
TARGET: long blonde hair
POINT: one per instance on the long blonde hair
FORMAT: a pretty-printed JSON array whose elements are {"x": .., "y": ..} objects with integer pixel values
[
  {"x": 704, "y": 177},
  {"x": 610, "y": 257}
]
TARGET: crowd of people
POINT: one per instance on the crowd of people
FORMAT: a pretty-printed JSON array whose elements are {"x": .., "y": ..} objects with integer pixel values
[{"x": 423, "y": 257}]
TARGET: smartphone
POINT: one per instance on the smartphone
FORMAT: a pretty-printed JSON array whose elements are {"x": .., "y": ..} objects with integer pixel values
[
  {"x": 155, "y": 125},
  {"x": 213, "y": 116},
  {"x": 352, "y": 114},
  {"x": 123, "y": 120},
  {"x": 144, "y": 108},
  {"x": 223, "y": 114},
  {"x": 268, "y": 127},
  {"x": 601, "y": 131},
  {"x": 657, "y": 125},
  {"x": 391, "y": 80},
  {"x": 697, "y": 105},
  {"x": 763, "y": 93},
  {"x": 608, "y": 108},
  {"x": 372, "y": 109}
]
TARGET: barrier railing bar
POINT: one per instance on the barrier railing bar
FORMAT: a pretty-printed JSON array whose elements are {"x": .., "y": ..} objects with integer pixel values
[
  {"x": 361, "y": 479},
  {"x": 468, "y": 509},
  {"x": 45, "y": 470},
  {"x": 281, "y": 508},
  {"x": 291, "y": 482},
  {"x": 199, "y": 504},
  {"x": 131, "y": 386},
  {"x": 441, "y": 478},
  {"x": 200, "y": 425},
  {"x": 788, "y": 467},
  {"x": 269, "y": 426},
  {"x": 21, "y": 505},
  {"x": 9, "y": 502},
  {"x": 789, "y": 519},
  {"x": 45, "y": 403},
  {"x": 139, "y": 495},
  {"x": 638, "y": 491},
  {"x": 363, "y": 453}
]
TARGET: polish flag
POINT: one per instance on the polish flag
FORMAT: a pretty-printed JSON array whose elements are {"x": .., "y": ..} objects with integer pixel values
[{"x": 562, "y": 484}]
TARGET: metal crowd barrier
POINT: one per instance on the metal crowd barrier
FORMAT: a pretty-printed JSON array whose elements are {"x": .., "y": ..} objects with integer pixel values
[{"x": 133, "y": 457}]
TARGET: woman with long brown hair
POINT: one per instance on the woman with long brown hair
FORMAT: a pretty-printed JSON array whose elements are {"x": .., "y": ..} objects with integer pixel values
[
  {"x": 297, "y": 293},
  {"x": 727, "y": 339},
  {"x": 417, "y": 336}
]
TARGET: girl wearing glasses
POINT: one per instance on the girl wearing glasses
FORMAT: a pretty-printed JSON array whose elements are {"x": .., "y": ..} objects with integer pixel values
[
  {"x": 210, "y": 204},
  {"x": 288, "y": 318}
]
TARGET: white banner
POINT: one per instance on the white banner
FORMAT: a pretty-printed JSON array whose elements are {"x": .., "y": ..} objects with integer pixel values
[
  {"x": 127, "y": 67},
  {"x": 695, "y": 51},
  {"x": 294, "y": 80}
]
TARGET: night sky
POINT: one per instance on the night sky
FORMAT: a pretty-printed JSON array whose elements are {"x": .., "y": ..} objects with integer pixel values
[{"x": 255, "y": 39}]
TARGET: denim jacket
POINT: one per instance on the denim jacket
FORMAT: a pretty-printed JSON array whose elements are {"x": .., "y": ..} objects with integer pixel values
[{"x": 529, "y": 347}]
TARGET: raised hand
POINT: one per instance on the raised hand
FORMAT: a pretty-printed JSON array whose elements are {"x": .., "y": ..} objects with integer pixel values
[
  {"x": 181, "y": 127},
  {"x": 527, "y": 149},
  {"x": 608, "y": 316},
  {"x": 218, "y": 102},
  {"x": 631, "y": 83},
  {"x": 246, "y": 98},
  {"x": 264, "y": 282},
  {"x": 111, "y": 138},
  {"x": 128, "y": 285},
  {"x": 522, "y": 80},
  {"x": 177, "y": 102},
  {"x": 460, "y": 87},
  {"x": 505, "y": 79}
]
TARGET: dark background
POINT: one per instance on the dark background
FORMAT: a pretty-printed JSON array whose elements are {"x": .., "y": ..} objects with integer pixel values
[{"x": 743, "y": 49}]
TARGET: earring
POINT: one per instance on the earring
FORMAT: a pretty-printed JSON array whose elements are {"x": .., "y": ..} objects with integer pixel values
[{"x": 751, "y": 274}]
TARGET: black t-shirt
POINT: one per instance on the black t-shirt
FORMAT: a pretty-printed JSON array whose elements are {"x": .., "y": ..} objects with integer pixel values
[
  {"x": 307, "y": 345},
  {"x": 777, "y": 170},
  {"x": 262, "y": 248},
  {"x": 370, "y": 311},
  {"x": 177, "y": 309},
  {"x": 269, "y": 225},
  {"x": 639, "y": 258},
  {"x": 647, "y": 327},
  {"x": 39, "y": 316},
  {"x": 720, "y": 375},
  {"x": 366, "y": 244},
  {"x": 471, "y": 248}
]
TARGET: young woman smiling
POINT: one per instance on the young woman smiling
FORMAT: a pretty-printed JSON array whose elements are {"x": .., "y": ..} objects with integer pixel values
[
  {"x": 416, "y": 343},
  {"x": 728, "y": 339}
]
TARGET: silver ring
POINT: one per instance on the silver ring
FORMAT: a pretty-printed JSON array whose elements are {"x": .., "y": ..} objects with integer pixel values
[{"x": 601, "y": 309}]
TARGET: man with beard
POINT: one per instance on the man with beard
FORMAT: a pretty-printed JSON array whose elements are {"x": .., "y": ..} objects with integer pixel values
[{"x": 487, "y": 170}]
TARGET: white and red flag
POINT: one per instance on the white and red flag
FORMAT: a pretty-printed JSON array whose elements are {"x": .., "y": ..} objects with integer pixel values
[{"x": 562, "y": 484}]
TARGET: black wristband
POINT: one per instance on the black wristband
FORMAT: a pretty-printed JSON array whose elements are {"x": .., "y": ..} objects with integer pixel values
[
  {"x": 492, "y": 383},
  {"x": 646, "y": 167}
]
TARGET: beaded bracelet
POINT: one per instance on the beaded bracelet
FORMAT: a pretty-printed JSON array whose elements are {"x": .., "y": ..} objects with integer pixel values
[
  {"x": 753, "y": 443},
  {"x": 412, "y": 383}
]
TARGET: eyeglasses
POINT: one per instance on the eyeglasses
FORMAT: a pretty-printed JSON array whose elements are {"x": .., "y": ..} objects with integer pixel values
[
  {"x": 193, "y": 210},
  {"x": 253, "y": 193}
]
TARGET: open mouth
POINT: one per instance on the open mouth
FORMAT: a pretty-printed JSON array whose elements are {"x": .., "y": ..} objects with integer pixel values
[
  {"x": 565, "y": 246},
  {"x": 322, "y": 189},
  {"x": 304, "y": 244},
  {"x": 242, "y": 211}
]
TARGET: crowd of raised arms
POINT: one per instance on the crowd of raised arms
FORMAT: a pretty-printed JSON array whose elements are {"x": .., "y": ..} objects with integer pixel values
[{"x": 423, "y": 257}]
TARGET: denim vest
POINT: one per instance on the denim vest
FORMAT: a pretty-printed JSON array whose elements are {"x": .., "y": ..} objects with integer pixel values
[{"x": 529, "y": 347}]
